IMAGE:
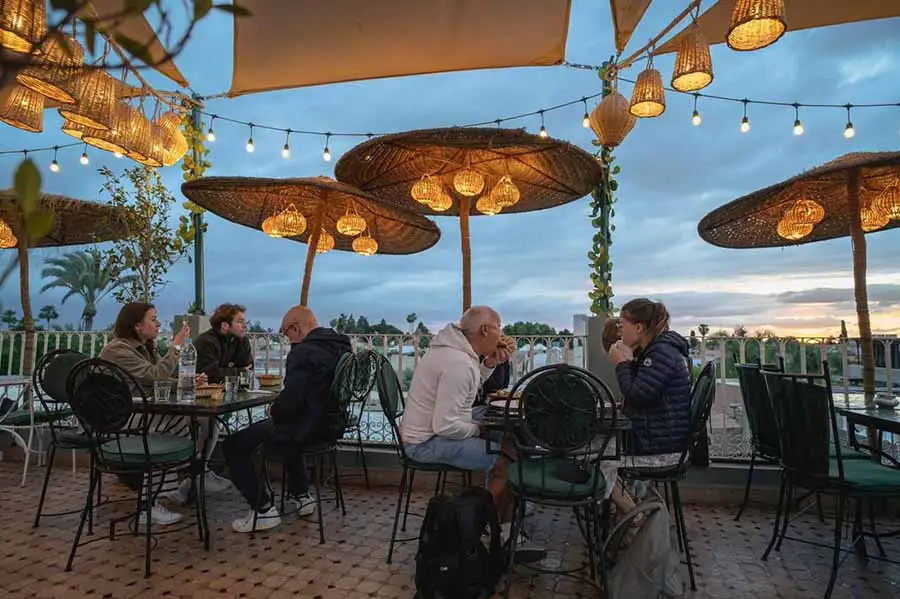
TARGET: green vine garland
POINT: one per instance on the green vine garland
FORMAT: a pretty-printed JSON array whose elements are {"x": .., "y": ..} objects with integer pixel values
[{"x": 603, "y": 198}]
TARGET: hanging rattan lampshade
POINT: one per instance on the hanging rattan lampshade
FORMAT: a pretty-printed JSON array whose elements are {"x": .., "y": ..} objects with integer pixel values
[
  {"x": 174, "y": 144},
  {"x": 113, "y": 138},
  {"x": 426, "y": 189},
  {"x": 887, "y": 203},
  {"x": 611, "y": 120},
  {"x": 756, "y": 24},
  {"x": 442, "y": 203},
  {"x": 22, "y": 108},
  {"x": 365, "y": 245},
  {"x": 505, "y": 193},
  {"x": 871, "y": 218},
  {"x": 486, "y": 205},
  {"x": 270, "y": 227},
  {"x": 7, "y": 238},
  {"x": 95, "y": 95},
  {"x": 73, "y": 129},
  {"x": 805, "y": 212},
  {"x": 351, "y": 223},
  {"x": 793, "y": 231},
  {"x": 54, "y": 74},
  {"x": 23, "y": 23},
  {"x": 648, "y": 100},
  {"x": 290, "y": 223},
  {"x": 326, "y": 242},
  {"x": 468, "y": 182},
  {"x": 693, "y": 63},
  {"x": 136, "y": 139}
]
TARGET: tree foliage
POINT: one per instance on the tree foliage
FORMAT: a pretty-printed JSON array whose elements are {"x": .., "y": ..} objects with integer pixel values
[
  {"x": 151, "y": 247},
  {"x": 48, "y": 313}
]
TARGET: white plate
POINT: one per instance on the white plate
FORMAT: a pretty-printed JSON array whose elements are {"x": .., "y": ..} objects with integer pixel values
[{"x": 501, "y": 404}]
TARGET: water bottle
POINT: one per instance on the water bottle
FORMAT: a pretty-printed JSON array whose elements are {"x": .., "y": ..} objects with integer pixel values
[{"x": 187, "y": 371}]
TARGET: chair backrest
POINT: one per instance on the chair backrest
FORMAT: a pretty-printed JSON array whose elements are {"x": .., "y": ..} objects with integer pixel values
[
  {"x": 354, "y": 380},
  {"x": 390, "y": 395},
  {"x": 703, "y": 393},
  {"x": 100, "y": 394},
  {"x": 807, "y": 426},
  {"x": 760, "y": 417},
  {"x": 51, "y": 374}
]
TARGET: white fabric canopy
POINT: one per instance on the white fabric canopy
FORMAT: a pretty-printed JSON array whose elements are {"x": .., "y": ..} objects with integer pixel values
[{"x": 298, "y": 43}]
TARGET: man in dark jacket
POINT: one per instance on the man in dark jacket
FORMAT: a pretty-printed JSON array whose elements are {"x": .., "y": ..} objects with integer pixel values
[
  {"x": 224, "y": 350},
  {"x": 296, "y": 416}
]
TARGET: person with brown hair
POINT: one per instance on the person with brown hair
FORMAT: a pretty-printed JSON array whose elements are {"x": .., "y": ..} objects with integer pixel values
[
  {"x": 611, "y": 333},
  {"x": 653, "y": 372},
  {"x": 224, "y": 350}
]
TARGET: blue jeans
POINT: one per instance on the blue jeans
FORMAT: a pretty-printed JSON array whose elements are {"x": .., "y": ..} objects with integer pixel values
[{"x": 467, "y": 454}]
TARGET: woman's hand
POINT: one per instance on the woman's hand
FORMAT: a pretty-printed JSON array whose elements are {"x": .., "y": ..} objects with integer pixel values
[
  {"x": 620, "y": 352},
  {"x": 182, "y": 335}
]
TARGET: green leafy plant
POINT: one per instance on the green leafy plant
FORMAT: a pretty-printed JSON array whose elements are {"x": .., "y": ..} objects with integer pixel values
[{"x": 151, "y": 248}]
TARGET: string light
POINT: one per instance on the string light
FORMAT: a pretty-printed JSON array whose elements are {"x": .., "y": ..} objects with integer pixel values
[
  {"x": 118, "y": 155},
  {"x": 543, "y": 132},
  {"x": 586, "y": 119},
  {"x": 849, "y": 131},
  {"x": 798, "y": 126},
  {"x": 211, "y": 134},
  {"x": 695, "y": 118},
  {"x": 54, "y": 166},
  {"x": 286, "y": 150},
  {"x": 326, "y": 153},
  {"x": 745, "y": 122},
  {"x": 84, "y": 157},
  {"x": 251, "y": 147}
]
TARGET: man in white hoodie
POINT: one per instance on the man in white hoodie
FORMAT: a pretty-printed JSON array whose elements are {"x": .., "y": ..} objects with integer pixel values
[{"x": 437, "y": 424}]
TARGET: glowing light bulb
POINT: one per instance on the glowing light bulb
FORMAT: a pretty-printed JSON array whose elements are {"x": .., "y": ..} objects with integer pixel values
[
  {"x": 798, "y": 127},
  {"x": 849, "y": 131},
  {"x": 543, "y": 132},
  {"x": 695, "y": 119},
  {"x": 84, "y": 159},
  {"x": 586, "y": 121},
  {"x": 285, "y": 151},
  {"x": 326, "y": 154},
  {"x": 745, "y": 125},
  {"x": 211, "y": 135},
  {"x": 251, "y": 147},
  {"x": 54, "y": 166}
]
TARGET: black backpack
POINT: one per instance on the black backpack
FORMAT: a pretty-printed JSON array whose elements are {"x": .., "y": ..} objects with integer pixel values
[{"x": 452, "y": 561}]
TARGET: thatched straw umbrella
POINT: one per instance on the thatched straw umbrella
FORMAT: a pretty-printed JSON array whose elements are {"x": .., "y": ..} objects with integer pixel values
[
  {"x": 321, "y": 212},
  {"x": 75, "y": 222},
  {"x": 485, "y": 170},
  {"x": 853, "y": 195}
]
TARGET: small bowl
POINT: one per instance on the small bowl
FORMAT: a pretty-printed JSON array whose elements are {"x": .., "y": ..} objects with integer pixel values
[
  {"x": 886, "y": 401},
  {"x": 269, "y": 380}
]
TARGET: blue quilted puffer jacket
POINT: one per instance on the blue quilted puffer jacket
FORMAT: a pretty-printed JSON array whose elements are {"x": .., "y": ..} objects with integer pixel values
[{"x": 656, "y": 387}]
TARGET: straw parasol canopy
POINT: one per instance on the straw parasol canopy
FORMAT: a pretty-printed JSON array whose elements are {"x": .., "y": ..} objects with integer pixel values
[
  {"x": 470, "y": 172},
  {"x": 318, "y": 211},
  {"x": 852, "y": 195},
  {"x": 75, "y": 222}
]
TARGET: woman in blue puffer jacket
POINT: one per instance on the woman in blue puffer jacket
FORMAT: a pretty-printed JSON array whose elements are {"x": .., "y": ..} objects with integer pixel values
[{"x": 653, "y": 371}]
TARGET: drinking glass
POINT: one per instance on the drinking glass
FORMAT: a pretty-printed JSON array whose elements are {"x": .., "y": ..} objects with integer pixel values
[
  {"x": 162, "y": 390},
  {"x": 231, "y": 384},
  {"x": 246, "y": 380}
]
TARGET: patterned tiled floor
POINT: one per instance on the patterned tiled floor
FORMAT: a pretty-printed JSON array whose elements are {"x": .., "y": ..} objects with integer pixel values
[{"x": 289, "y": 562}]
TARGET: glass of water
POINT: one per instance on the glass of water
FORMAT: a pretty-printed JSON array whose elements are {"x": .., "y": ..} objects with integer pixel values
[
  {"x": 246, "y": 380},
  {"x": 162, "y": 390},
  {"x": 231, "y": 384}
]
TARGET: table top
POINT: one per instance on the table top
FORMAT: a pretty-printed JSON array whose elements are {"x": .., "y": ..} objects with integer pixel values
[
  {"x": 14, "y": 380},
  {"x": 496, "y": 419},
  {"x": 887, "y": 419},
  {"x": 229, "y": 403}
]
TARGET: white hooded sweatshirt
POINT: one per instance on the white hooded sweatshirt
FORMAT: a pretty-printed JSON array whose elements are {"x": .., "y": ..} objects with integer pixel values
[{"x": 443, "y": 388}]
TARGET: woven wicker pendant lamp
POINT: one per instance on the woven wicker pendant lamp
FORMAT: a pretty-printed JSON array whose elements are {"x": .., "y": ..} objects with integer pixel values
[
  {"x": 612, "y": 120},
  {"x": 693, "y": 63},
  {"x": 351, "y": 223},
  {"x": 23, "y": 109},
  {"x": 23, "y": 23},
  {"x": 648, "y": 99},
  {"x": 73, "y": 129},
  {"x": 365, "y": 245},
  {"x": 174, "y": 144},
  {"x": 486, "y": 205},
  {"x": 505, "y": 193},
  {"x": 56, "y": 71},
  {"x": 871, "y": 219},
  {"x": 793, "y": 231},
  {"x": 887, "y": 203},
  {"x": 137, "y": 141},
  {"x": 325, "y": 243},
  {"x": 111, "y": 139},
  {"x": 95, "y": 94},
  {"x": 7, "y": 237},
  {"x": 756, "y": 24}
]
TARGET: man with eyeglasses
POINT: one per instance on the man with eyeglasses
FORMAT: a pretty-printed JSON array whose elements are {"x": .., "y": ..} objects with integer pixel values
[
  {"x": 296, "y": 417},
  {"x": 224, "y": 350}
]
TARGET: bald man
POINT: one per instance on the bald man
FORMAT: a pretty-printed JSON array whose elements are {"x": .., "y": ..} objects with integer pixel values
[{"x": 296, "y": 417}]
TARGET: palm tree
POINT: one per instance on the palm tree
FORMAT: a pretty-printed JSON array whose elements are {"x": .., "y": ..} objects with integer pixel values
[
  {"x": 83, "y": 274},
  {"x": 48, "y": 313},
  {"x": 10, "y": 318},
  {"x": 411, "y": 320}
]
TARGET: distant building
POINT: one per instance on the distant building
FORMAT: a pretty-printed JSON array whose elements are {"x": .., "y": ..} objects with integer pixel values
[{"x": 580, "y": 325}]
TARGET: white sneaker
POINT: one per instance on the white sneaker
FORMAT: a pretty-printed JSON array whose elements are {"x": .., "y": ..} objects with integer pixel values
[
  {"x": 160, "y": 516},
  {"x": 264, "y": 520},
  {"x": 215, "y": 483},
  {"x": 304, "y": 504},
  {"x": 180, "y": 494}
]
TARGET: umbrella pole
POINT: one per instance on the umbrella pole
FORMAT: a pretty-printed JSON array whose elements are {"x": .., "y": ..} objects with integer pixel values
[
  {"x": 312, "y": 242},
  {"x": 25, "y": 294},
  {"x": 858, "y": 243},
  {"x": 465, "y": 241}
]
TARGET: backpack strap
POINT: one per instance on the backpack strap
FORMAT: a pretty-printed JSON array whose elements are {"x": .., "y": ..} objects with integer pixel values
[{"x": 614, "y": 538}]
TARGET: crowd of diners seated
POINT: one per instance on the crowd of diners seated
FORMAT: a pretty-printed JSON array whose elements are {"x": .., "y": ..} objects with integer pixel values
[{"x": 466, "y": 361}]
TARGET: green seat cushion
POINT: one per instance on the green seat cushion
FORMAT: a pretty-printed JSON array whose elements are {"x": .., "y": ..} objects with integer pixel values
[
  {"x": 162, "y": 449},
  {"x": 537, "y": 477},
  {"x": 23, "y": 417},
  {"x": 72, "y": 439},
  {"x": 849, "y": 454},
  {"x": 869, "y": 477}
]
